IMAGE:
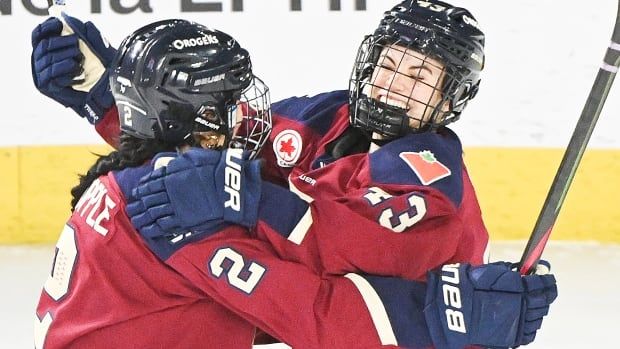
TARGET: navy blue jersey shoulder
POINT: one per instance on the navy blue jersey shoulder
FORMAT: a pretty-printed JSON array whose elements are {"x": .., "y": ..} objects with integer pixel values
[
  {"x": 162, "y": 246},
  {"x": 316, "y": 112},
  {"x": 395, "y": 162}
]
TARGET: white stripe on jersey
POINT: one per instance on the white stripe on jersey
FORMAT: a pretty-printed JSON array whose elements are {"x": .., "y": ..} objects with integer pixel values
[
  {"x": 301, "y": 229},
  {"x": 376, "y": 309},
  {"x": 305, "y": 197}
]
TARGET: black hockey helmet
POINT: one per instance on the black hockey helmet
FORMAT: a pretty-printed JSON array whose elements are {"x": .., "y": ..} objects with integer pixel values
[
  {"x": 173, "y": 78},
  {"x": 437, "y": 30}
]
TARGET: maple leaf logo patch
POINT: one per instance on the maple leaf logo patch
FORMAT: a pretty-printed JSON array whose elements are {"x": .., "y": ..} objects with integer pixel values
[{"x": 426, "y": 166}]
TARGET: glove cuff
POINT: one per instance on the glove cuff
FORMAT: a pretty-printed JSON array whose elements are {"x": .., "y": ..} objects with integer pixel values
[
  {"x": 97, "y": 102},
  {"x": 436, "y": 315},
  {"x": 239, "y": 186}
]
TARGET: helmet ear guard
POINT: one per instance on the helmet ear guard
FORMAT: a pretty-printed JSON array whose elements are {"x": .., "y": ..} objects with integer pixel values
[{"x": 176, "y": 122}]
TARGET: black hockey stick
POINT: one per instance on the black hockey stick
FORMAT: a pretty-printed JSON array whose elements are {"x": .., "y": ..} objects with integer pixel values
[{"x": 573, "y": 154}]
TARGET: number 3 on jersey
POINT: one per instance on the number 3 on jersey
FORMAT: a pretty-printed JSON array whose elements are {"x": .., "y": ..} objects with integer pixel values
[
  {"x": 240, "y": 276},
  {"x": 399, "y": 221}
]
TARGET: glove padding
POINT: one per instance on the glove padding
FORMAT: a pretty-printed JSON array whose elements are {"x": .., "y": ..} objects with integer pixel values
[
  {"x": 490, "y": 305},
  {"x": 56, "y": 60},
  {"x": 196, "y": 191}
]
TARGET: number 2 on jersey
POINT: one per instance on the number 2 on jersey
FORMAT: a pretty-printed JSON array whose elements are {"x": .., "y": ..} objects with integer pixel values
[{"x": 237, "y": 267}]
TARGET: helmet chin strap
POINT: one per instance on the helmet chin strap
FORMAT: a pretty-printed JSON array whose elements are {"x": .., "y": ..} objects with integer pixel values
[
  {"x": 374, "y": 146},
  {"x": 377, "y": 140}
]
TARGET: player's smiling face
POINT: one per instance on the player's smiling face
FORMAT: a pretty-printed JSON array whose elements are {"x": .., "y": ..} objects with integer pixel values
[{"x": 409, "y": 80}]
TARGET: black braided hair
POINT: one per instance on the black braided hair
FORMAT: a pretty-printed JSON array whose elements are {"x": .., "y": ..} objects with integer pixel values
[{"x": 132, "y": 152}]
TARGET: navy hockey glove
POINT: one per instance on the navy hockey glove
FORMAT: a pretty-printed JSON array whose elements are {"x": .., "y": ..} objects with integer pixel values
[
  {"x": 196, "y": 191},
  {"x": 490, "y": 305},
  {"x": 56, "y": 60}
]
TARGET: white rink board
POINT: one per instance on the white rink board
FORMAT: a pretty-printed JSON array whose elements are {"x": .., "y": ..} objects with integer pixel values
[
  {"x": 542, "y": 57},
  {"x": 584, "y": 315}
]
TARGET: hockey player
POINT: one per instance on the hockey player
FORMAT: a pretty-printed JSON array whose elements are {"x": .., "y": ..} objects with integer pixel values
[
  {"x": 227, "y": 256},
  {"x": 408, "y": 193},
  {"x": 106, "y": 289}
]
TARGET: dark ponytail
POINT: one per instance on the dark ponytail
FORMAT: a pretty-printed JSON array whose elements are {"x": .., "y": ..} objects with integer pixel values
[{"x": 132, "y": 152}]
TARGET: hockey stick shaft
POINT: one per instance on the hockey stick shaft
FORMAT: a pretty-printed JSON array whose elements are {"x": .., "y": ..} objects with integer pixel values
[{"x": 573, "y": 154}]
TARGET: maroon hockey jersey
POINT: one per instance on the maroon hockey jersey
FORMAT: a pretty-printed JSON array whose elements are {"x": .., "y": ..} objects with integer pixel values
[
  {"x": 107, "y": 290},
  {"x": 401, "y": 210}
]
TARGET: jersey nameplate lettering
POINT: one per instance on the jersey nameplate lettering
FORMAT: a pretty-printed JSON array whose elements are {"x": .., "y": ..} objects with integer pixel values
[{"x": 95, "y": 206}]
